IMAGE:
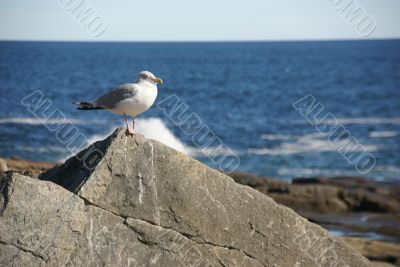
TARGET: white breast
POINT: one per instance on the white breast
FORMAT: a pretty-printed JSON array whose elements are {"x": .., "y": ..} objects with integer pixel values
[{"x": 139, "y": 103}]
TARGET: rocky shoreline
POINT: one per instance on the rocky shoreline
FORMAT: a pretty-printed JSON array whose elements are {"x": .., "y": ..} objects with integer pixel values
[
  {"x": 352, "y": 203},
  {"x": 366, "y": 213}
]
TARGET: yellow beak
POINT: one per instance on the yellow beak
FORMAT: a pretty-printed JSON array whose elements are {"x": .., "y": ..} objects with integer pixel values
[{"x": 158, "y": 80}]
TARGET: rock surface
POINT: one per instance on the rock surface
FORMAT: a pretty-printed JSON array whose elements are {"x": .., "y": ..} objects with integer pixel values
[{"x": 140, "y": 203}]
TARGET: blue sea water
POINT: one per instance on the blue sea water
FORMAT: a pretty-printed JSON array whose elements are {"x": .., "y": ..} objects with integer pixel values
[{"x": 242, "y": 91}]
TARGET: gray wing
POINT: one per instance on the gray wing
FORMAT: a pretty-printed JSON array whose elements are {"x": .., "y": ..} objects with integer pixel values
[{"x": 110, "y": 99}]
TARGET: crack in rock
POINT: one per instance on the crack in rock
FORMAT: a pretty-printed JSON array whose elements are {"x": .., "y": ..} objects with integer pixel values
[{"x": 25, "y": 250}]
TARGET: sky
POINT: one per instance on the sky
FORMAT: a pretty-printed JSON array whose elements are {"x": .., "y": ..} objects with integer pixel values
[{"x": 205, "y": 20}]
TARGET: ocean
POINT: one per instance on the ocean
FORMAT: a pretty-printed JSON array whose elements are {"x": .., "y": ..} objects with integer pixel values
[{"x": 243, "y": 92}]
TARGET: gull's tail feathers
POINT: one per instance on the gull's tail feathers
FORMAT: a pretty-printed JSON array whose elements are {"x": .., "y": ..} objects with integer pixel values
[{"x": 85, "y": 105}]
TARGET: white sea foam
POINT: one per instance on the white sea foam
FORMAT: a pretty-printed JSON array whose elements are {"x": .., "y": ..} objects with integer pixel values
[
  {"x": 383, "y": 134},
  {"x": 309, "y": 172},
  {"x": 389, "y": 169},
  {"x": 381, "y": 173},
  {"x": 273, "y": 137},
  {"x": 309, "y": 143},
  {"x": 45, "y": 149},
  {"x": 156, "y": 129},
  {"x": 152, "y": 128},
  {"x": 365, "y": 121},
  {"x": 37, "y": 121},
  {"x": 213, "y": 151},
  {"x": 98, "y": 137}
]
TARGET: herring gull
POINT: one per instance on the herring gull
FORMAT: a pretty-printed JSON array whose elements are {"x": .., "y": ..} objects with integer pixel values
[{"x": 127, "y": 99}]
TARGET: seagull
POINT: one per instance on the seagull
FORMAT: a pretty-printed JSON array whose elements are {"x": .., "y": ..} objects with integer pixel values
[{"x": 127, "y": 99}]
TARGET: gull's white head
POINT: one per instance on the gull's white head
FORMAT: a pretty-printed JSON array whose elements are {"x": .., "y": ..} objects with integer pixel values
[{"x": 148, "y": 77}]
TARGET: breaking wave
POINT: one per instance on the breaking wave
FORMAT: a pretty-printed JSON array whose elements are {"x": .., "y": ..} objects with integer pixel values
[{"x": 314, "y": 142}]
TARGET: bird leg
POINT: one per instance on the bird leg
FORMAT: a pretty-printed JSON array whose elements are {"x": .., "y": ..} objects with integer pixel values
[
  {"x": 133, "y": 123},
  {"x": 128, "y": 131}
]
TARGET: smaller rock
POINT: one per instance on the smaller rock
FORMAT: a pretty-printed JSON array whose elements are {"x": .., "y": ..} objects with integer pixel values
[
  {"x": 328, "y": 195},
  {"x": 25, "y": 167},
  {"x": 375, "y": 250},
  {"x": 3, "y": 165}
]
